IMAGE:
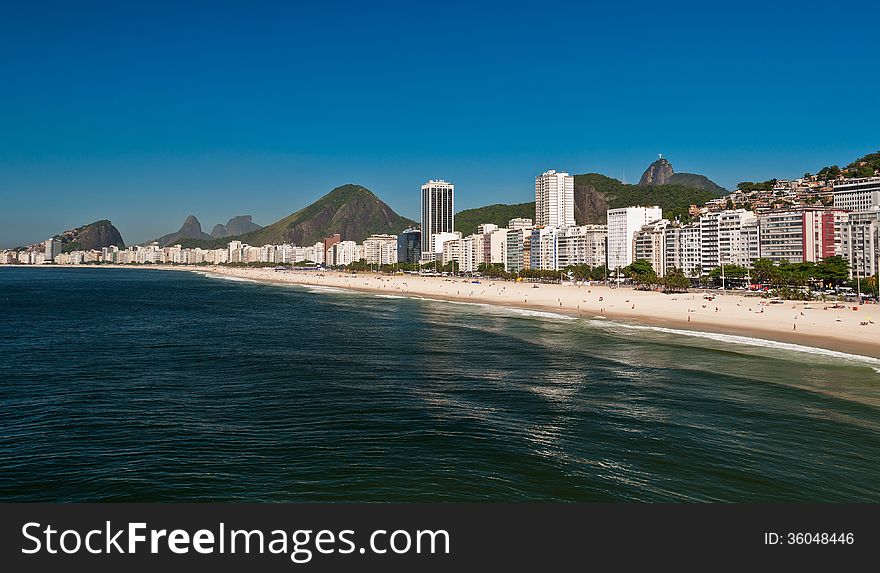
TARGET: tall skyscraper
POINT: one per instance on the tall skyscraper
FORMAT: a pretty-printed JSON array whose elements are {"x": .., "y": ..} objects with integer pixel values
[
  {"x": 554, "y": 199},
  {"x": 438, "y": 213},
  {"x": 52, "y": 250}
]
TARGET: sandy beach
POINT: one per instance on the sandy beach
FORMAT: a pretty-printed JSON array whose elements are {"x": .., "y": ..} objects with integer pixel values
[{"x": 812, "y": 323}]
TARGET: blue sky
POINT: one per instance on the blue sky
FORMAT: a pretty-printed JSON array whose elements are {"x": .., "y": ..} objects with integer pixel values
[{"x": 145, "y": 113}]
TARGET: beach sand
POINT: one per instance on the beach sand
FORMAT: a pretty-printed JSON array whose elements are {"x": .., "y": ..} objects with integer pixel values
[{"x": 812, "y": 323}]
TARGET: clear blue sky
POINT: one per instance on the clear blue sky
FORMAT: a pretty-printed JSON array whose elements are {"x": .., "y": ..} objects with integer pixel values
[{"x": 145, "y": 112}]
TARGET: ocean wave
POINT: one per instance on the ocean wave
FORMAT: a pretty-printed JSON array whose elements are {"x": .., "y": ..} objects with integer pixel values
[
  {"x": 538, "y": 313},
  {"x": 389, "y": 296},
  {"x": 326, "y": 289},
  {"x": 228, "y": 278},
  {"x": 874, "y": 363}
]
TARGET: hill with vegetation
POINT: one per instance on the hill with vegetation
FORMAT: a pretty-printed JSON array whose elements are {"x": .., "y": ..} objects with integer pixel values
[
  {"x": 697, "y": 181},
  {"x": 95, "y": 235},
  {"x": 866, "y": 166},
  {"x": 351, "y": 210},
  {"x": 467, "y": 221}
]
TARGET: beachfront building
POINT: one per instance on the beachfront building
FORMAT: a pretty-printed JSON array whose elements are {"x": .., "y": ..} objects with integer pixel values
[
  {"x": 860, "y": 242},
  {"x": 543, "y": 249},
  {"x": 52, "y": 248},
  {"x": 682, "y": 248},
  {"x": 494, "y": 245},
  {"x": 514, "y": 261},
  {"x": 583, "y": 245},
  {"x": 554, "y": 199},
  {"x": 649, "y": 245},
  {"x": 857, "y": 194},
  {"x": 722, "y": 240},
  {"x": 344, "y": 253},
  {"x": 380, "y": 249},
  {"x": 438, "y": 215},
  {"x": 409, "y": 246},
  {"x": 451, "y": 252},
  {"x": 622, "y": 226},
  {"x": 800, "y": 235}
]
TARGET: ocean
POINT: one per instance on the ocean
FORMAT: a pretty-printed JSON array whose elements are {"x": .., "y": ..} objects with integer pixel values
[{"x": 136, "y": 385}]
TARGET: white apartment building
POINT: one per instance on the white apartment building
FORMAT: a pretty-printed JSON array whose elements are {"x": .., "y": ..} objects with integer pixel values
[
  {"x": 438, "y": 215},
  {"x": 380, "y": 249},
  {"x": 649, "y": 245},
  {"x": 722, "y": 240},
  {"x": 584, "y": 245},
  {"x": 800, "y": 235},
  {"x": 857, "y": 194},
  {"x": 682, "y": 248},
  {"x": 52, "y": 248},
  {"x": 860, "y": 242},
  {"x": 520, "y": 223},
  {"x": 543, "y": 249},
  {"x": 622, "y": 226},
  {"x": 554, "y": 199}
]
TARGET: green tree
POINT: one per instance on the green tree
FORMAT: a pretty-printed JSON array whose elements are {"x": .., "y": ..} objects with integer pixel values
[
  {"x": 832, "y": 270},
  {"x": 763, "y": 269}
]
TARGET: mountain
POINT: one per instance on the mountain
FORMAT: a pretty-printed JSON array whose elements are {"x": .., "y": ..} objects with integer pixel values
[
  {"x": 351, "y": 210},
  {"x": 191, "y": 229},
  {"x": 697, "y": 181},
  {"x": 95, "y": 235},
  {"x": 238, "y": 225},
  {"x": 657, "y": 173},
  {"x": 661, "y": 173}
]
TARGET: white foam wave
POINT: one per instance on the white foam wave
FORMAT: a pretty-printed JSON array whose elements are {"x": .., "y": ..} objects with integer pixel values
[
  {"x": 874, "y": 363},
  {"x": 228, "y": 278},
  {"x": 326, "y": 289},
  {"x": 389, "y": 296},
  {"x": 539, "y": 313}
]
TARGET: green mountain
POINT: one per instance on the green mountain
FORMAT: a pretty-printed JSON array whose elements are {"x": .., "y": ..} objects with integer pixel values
[
  {"x": 95, "y": 235},
  {"x": 594, "y": 194},
  {"x": 466, "y": 221},
  {"x": 697, "y": 181},
  {"x": 351, "y": 210}
]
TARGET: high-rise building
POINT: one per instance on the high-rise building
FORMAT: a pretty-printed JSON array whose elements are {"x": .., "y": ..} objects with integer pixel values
[
  {"x": 722, "y": 240},
  {"x": 860, "y": 242},
  {"x": 380, "y": 249},
  {"x": 409, "y": 246},
  {"x": 622, "y": 226},
  {"x": 682, "y": 245},
  {"x": 438, "y": 214},
  {"x": 328, "y": 244},
  {"x": 650, "y": 245},
  {"x": 857, "y": 194},
  {"x": 800, "y": 235},
  {"x": 554, "y": 199},
  {"x": 584, "y": 245},
  {"x": 543, "y": 249},
  {"x": 52, "y": 249}
]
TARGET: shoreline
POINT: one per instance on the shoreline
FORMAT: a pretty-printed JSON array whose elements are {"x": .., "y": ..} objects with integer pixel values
[{"x": 812, "y": 324}]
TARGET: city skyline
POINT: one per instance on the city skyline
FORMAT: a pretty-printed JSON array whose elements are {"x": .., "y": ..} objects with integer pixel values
[{"x": 262, "y": 110}]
